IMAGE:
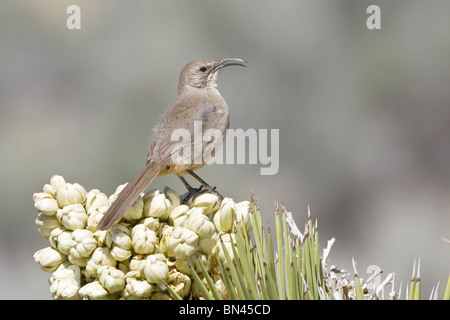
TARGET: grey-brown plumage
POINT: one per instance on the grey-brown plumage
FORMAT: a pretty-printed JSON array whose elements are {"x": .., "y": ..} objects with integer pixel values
[{"x": 198, "y": 100}]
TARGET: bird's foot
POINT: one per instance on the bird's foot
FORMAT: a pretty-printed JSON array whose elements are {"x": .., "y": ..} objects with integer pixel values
[{"x": 194, "y": 192}]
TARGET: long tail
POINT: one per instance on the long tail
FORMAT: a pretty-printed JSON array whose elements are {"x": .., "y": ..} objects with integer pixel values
[{"x": 129, "y": 194}]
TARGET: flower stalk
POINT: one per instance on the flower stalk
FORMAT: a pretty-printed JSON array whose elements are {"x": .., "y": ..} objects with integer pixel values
[{"x": 201, "y": 248}]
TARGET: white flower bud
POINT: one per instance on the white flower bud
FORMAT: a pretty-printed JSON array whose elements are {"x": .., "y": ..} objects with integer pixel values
[
  {"x": 206, "y": 245},
  {"x": 173, "y": 197},
  {"x": 85, "y": 244},
  {"x": 120, "y": 242},
  {"x": 64, "y": 289},
  {"x": 93, "y": 291},
  {"x": 156, "y": 269},
  {"x": 48, "y": 188},
  {"x": 155, "y": 204},
  {"x": 200, "y": 224},
  {"x": 208, "y": 201},
  {"x": 138, "y": 288},
  {"x": 243, "y": 218},
  {"x": 76, "y": 258},
  {"x": 100, "y": 257},
  {"x": 72, "y": 216},
  {"x": 159, "y": 205},
  {"x": 61, "y": 239},
  {"x": 45, "y": 203},
  {"x": 49, "y": 259},
  {"x": 137, "y": 263},
  {"x": 96, "y": 199},
  {"x": 224, "y": 217},
  {"x": 151, "y": 223},
  {"x": 46, "y": 224},
  {"x": 179, "y": 215},
  {"x": 182, "y": 242},
  {"x": 135, "y": 211},
  {"x": 65, "y": 282},
  {"x": 71, "y": 194},
  {"x": 144, "y": 240},
  {"x": 67, "y": 271},
  {"x": 111, "y": 279},
  {"x": 57, "y": 182}
]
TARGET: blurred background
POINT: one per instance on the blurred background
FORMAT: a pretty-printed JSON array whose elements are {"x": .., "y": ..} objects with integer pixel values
[{"x": 364, "y": 116}]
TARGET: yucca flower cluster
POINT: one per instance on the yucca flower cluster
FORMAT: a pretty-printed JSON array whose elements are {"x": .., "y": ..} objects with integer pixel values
[{"x": 152, "y": 253}]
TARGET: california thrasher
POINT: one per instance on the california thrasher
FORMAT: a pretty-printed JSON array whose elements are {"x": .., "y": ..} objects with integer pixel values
[{"x": 198, "y": 100}]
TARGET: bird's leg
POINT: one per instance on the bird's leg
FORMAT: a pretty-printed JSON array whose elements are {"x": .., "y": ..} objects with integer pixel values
[
  {"x": 188, "y": 186},
  {"x": 206, "y": 185},
  {"x": 191, "y": 190}
]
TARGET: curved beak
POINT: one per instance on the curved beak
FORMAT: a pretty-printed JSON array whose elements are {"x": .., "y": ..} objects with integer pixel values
[{"x": 228, "y": 62}]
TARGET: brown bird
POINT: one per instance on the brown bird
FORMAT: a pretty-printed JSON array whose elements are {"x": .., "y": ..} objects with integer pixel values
[{"x": 199, "y": 102}]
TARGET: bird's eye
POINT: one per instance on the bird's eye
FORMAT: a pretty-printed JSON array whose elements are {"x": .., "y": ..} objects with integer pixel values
[{"x": 202, "y": 69}]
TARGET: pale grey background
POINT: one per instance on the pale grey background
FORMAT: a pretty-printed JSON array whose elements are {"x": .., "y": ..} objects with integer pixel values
[{"x": 364, "y": 116}]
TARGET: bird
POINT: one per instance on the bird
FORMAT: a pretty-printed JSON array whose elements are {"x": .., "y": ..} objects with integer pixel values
[{"x": 198, "y": 102}]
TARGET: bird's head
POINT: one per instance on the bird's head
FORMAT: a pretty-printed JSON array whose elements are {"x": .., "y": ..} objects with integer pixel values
[{"x": 203, "y": 73}]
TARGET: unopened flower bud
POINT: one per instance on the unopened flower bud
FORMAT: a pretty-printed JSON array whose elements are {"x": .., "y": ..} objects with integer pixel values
[
  {"x": 151, "y": 223},
  {"x": 49, "y": 259},
  {"x": 46, "y": 224},
  {"x": 119, "y": 241},
  {"x": 72, "y": 216},
  {"x": 156, "y": 269},
  {"x": 224, "y": 217},
  {"x": 64, "y": 289},
  {"x": 65, "y": 282},
  {"x": 208, "y": 201},
  {"x": 111, "y": 279},
  {"x": 243, "y": 218},
  {"x": 85, "y": 244},
  {"x": 179, "y": 215},
  {"x": 61, "y": 239},
  {"x": 143, "y": 240},
  {"x": 160, "y": 205},
  {"x": 156, "y": 205},
  {"x": 200, "y": 224},
  {"x": 49, "y": 189},
  {"x": 96, "y": 199},
  {"x": 71, "y": 194},
  {"x": 93, "y": 291},
  {"x": 182, "y": 243},
  {"x": 138, "y": 288},
  {"x": 57, "y": 182},
  {"x": 137, "y": 263},
  {"x": 173, "y": 197},
  {"x": 45, "y": 203},
  {"x": 100, "y": 257},
  {"x": 206, "y": 245}
]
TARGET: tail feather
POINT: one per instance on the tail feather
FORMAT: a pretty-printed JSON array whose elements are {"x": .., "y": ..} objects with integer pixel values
[{"x": 129, "y": 194}]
